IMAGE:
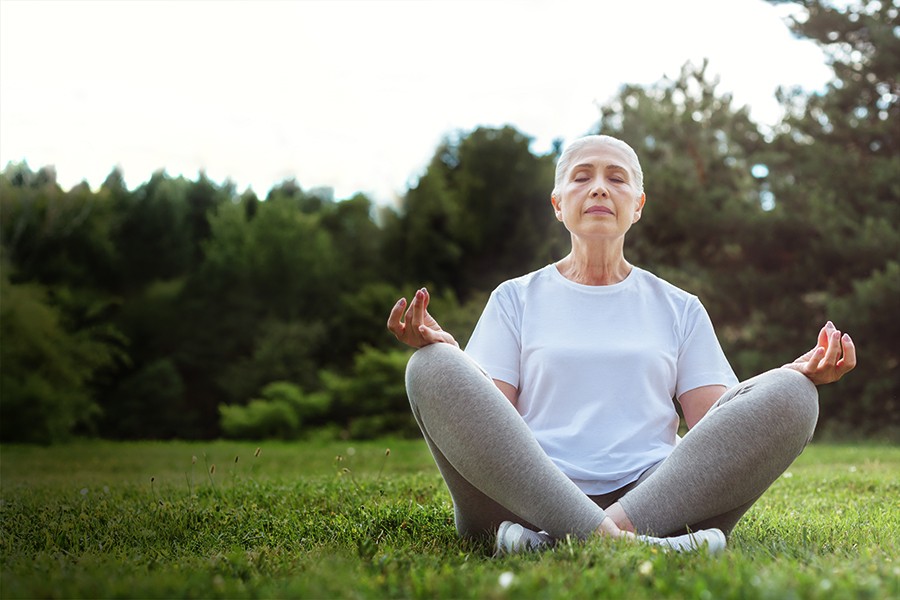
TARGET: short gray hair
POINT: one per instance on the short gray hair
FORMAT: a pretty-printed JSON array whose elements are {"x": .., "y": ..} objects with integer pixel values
[{"x": 565, "y": 159}]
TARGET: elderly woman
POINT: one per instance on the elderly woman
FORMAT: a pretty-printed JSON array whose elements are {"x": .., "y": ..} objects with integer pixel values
[{"x": 558, "y": 418}]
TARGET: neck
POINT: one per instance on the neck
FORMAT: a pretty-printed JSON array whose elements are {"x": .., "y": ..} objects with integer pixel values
[{"x": 595, "y": 264}]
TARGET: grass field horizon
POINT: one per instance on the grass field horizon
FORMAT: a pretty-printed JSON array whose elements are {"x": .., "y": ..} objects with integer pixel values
[{"x": 330, "y": 519}]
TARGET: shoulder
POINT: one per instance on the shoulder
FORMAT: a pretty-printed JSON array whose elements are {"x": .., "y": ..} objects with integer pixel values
[
  {"x": 651, "y": 280},
  {"x": 521, "y": 286},
  {"x": 656, "y": 287}
]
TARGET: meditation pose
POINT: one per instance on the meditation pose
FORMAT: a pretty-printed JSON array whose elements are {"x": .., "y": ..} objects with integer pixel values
[{"x": 558, "y": 418}]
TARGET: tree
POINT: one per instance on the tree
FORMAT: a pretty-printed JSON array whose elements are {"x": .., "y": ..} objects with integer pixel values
[
  {"x": 150, "y": 404},
  {"x": 203, "y": 199},
  {"x": 479, "y": 214},
  {"x": 834, "y": 173},
  {"x": 423, "y": 237},
  {"x": 154, "y": 234},
  {"x": 56, "y": 237},
  {"x": 47, "y": 368},
  {"x": 505, "y": 225},
  {"x": 267, "y": 278}
]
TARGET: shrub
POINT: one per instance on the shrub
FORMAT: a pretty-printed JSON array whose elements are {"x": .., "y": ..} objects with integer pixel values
[
  {"x": 281, "y": 413},
  {"x": 259, "y": 419},
  {"x": 372, "y": 400}
]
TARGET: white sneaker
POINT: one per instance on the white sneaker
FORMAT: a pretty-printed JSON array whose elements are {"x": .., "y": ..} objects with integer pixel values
[
  {"x": 711, "y": 539},
  {"x": 512, "y": 538}
]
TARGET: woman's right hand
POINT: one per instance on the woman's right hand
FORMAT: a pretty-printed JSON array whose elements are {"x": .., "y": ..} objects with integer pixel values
[{"x": 417, "y": 328}]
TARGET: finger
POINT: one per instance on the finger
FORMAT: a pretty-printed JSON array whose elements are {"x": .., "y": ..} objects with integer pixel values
[
  {"x": 418, "y": 308},
  {"x": 849, "y": 361},
  {"x": 832, "y": 351},
  {"x": 427, "y": 319},
  {"x": 806, "y": 356},
  {"x": 814, "y": 361},
  {"x": 430, "y": 335},
  {"x": 824, "y": 333},
  {"x": 393, "y": 324}
]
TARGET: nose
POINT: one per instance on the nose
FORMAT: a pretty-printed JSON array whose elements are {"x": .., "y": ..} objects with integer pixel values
[{"x": 599, "y": 192}]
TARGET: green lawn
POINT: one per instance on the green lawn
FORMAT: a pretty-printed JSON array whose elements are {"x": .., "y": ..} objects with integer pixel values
[{"x": 101, "y": 519}]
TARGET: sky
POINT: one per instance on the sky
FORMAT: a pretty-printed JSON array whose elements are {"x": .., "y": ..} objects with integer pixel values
[{"x": 352, "y": 95}]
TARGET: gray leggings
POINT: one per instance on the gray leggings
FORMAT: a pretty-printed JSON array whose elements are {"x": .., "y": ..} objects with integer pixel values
[{"x": 496, "y": 470}]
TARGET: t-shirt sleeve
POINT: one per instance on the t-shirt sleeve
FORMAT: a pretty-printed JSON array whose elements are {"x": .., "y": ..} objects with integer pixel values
[
  {"x": 701, "y": 360},
  {"x": 496, "y": 342}
]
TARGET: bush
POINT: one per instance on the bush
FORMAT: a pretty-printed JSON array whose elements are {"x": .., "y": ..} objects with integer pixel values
[
  {"x": 306, "y": 406},
  {"x": 280, "y": 413},
  {"x": 260, "y": 419},
  {"x": 282, "y": 351},
  {"x": 372, "y": 400}
]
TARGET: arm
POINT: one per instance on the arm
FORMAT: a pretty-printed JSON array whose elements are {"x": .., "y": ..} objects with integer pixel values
[
  {"x": 510, "y": 391},
  {"x": 417, "y": 328},
  {"x": 833, "y": 356},
  {"x": 696, "y": 402}
]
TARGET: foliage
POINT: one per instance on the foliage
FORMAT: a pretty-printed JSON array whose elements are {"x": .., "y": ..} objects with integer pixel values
[
  {"x": 47, "y": 368},
  {"x": 140, "y": 520},
  {"x": 371, "y": 399},
  {"x": 834, "y": 164},
  {"x": 779, "y": 231},
  {"x": 54, "y": 237},
  {"x": 260, "y": 419},
  {"x": 159, "y": 304},
  {"x": 153, "y": 235},
  {"x": 871, "y": 401},
  {"x": 479, "y": 213},
  {"x": 149, "y": 403},
  {"x": 280, "y": 413},
  {"x": 281, "y": 351}
]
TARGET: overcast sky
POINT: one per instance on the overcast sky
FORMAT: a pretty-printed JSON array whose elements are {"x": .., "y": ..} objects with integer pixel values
[{"x": 352, "y": 95}]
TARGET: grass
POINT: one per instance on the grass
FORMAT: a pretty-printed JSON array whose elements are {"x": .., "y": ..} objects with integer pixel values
[{"x": 347, "y": 520}]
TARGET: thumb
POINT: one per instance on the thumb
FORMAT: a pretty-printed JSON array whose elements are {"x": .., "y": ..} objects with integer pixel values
[{"x": 436, "y": 337}]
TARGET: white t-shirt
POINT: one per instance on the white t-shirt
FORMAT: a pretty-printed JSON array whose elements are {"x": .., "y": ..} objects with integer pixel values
[{"x": 597, "y": 367}]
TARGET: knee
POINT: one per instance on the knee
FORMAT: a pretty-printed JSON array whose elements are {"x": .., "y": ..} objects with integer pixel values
[
  {"x": 795, "y": 399},
  {"x": 427, "y": 364},
  {"x": 430, "y": 359}
]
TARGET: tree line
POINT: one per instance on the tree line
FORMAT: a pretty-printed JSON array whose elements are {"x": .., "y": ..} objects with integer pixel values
[{"x": 183, "y": 308}]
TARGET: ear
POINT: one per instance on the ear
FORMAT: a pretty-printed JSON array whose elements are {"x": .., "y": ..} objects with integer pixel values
[
  {"x": 640, "y": 207},
  {"x": 557, "y": 207}
]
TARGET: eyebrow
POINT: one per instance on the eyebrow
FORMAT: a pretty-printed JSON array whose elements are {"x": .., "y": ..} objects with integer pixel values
[{"x": 612, "y": 167}]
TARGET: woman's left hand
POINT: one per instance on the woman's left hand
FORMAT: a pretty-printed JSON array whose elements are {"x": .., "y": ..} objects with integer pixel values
[{"x": 833, "y": 357}]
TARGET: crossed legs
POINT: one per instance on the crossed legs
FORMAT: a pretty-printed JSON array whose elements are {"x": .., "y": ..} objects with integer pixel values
[{"x": 495, "y": 469}]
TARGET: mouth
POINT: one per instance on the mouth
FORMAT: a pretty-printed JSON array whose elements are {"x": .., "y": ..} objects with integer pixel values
[{"x": 598, "y": 210}]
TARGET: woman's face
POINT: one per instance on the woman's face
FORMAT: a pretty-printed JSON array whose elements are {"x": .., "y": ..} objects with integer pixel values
[{"x": 598, "y": 197}]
